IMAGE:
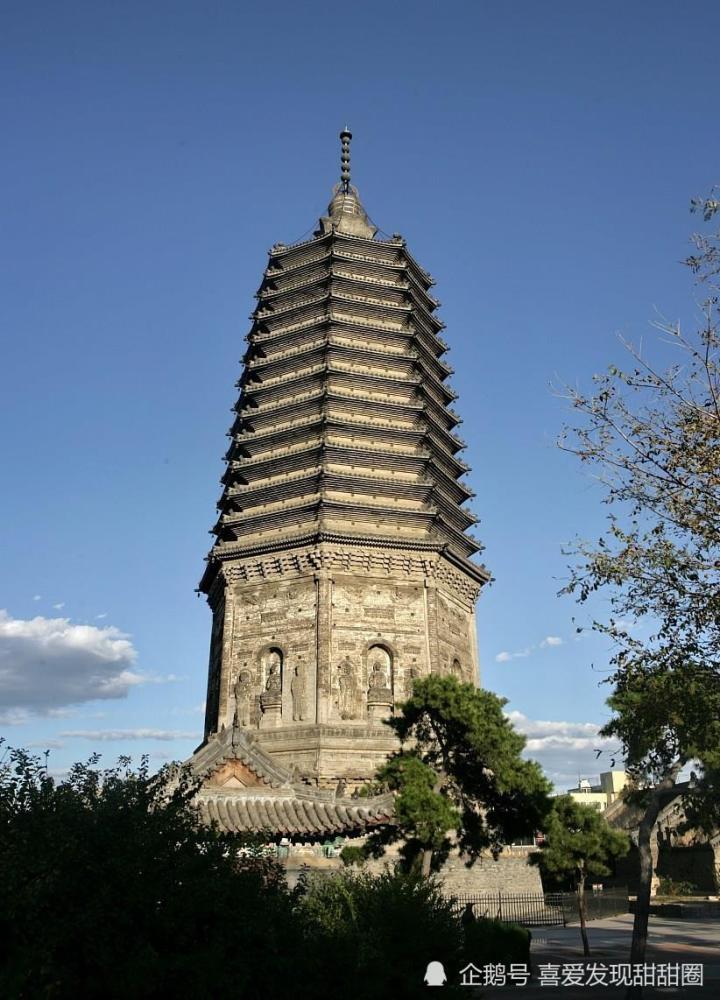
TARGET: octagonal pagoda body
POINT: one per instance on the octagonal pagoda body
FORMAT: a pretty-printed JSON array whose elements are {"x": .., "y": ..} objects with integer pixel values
[{"x": 342, "y": 565}]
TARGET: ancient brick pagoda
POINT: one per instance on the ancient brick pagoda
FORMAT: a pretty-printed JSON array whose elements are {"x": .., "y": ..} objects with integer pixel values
[{"x": 342, "y": 567}]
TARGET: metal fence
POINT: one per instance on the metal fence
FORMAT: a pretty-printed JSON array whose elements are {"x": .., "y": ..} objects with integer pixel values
[
  {"x": 603, "y": 903},
  {"x": 552, "y": 909}
]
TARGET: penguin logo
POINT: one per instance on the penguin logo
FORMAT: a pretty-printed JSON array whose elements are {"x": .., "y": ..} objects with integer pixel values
[{"x": 435, "y": 974}]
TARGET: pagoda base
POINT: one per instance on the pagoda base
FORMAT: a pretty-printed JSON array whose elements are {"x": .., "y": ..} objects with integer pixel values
[{"x": 325, "y": 754}]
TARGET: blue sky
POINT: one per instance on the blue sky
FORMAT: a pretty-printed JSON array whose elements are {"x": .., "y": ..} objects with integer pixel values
[{"x": 538, "y": 157}]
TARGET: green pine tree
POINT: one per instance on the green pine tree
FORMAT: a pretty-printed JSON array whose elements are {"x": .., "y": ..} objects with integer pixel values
[
  {"x": 459, "y": 776},
  {"x": 578, "y": 842}
]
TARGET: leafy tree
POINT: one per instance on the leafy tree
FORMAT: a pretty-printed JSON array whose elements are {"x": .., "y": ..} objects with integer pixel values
[
  {"x": 578, "y": 842},
  {"x": 652, "y": 436},
  {"x": 110, "y": 888},
  {"x": 459, "y": 773}
]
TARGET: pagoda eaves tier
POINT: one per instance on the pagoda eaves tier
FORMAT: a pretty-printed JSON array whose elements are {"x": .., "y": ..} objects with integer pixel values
[{"x": 342, "y": 567}]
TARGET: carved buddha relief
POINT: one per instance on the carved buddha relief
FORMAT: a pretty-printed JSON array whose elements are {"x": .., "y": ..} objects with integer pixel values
[
  {"x": 380, "y": 671},
  {"x": 271, "y": 697},
  {"x": 380, "y": 684},
  {"x": 348, "y": 690},
  {"x": 243, "y": 692},
  {"x": 297, "y": 690}
]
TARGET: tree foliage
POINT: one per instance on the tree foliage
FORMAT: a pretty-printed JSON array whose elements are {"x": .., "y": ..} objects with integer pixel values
[
  {"x": 109, "y": 887},
  {"x": 652, "y": 436},
  {"x": 578, "y": 842},
  {"x": 375, "y": 934},
  {"x": 459, "y": 773}
]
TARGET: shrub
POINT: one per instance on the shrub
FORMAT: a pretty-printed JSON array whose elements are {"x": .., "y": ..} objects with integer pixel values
[
  {"x": 379, "y": 932},
  {"x": 492, "y": 942},
  {"x": 110, "y": 888},
  {"x": 352, "y": 855},
  {"x": 667, "y": 887}
]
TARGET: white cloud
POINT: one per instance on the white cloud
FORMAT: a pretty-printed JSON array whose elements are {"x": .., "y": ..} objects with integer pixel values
[
  {"x": 49, "y": 663},
  {"x": 505, "y": 656},
  {"x": 567, "y": 750},
  {"x": 108, "y": 735},
  {"x": 13, "y": 717},
  {"x": 550, "y": 640},
  {"x": 103, "y": 615},
  {"x": 59, "y": 606},
  {"x": 45, "y": 745},
  {"x": 37, "y": 597},
  {"x": 546, "y": 728}
]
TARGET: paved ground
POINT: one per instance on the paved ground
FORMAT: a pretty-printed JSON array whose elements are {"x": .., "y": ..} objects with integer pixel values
[{"x": 670, "y": 941}]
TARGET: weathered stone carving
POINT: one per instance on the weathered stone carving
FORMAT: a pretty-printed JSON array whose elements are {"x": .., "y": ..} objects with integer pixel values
[
  {"x": 243, "y": 699},
  {"x": 273, "y": 686},
  {"x": 348, "y": 691},
  {"x": 387, "y": 562},
  {"x": 271, "y": 698},
  {"x": 380, "y": 695},
  {"x": 379, "y": 680},
  {"x": 297, "y": 690}
]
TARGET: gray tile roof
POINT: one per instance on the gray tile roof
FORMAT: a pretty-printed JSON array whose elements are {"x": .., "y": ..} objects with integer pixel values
[
  {"x": 243, "y": 812},
  {"x": 278, "y": 803}
]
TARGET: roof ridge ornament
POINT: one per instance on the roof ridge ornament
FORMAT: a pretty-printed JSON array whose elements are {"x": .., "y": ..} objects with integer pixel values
[{"x": 345, "y": 139}]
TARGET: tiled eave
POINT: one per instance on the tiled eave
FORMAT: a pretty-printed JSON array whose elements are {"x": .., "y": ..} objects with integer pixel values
[
  {"x": 274, "y": 802},
  {"x": 291, "y": 816},
  {"x": 431, "y": 342}
]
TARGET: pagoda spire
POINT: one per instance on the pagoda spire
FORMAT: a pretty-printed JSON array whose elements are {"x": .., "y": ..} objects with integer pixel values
[
  {"x": 345, "y": 139},
  {"x": 346, "y": 213}
]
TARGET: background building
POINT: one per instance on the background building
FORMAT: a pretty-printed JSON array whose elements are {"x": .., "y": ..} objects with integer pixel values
[{"x": 602, "y": 795}]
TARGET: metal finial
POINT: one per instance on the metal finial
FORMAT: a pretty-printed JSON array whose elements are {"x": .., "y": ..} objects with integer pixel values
[{"x": 345, "y": 137}]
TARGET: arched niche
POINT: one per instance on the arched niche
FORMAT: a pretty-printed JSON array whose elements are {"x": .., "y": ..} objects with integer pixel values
[
  {"x": 273, "y": 687},
  {"x": 380, "y": 667},
  {"x": 273, "y": 665}
]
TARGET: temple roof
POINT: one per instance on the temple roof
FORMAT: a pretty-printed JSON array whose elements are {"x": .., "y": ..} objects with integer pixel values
[
  {"x": 288, "y": 816},
  {"x": 245, "y": 790}
]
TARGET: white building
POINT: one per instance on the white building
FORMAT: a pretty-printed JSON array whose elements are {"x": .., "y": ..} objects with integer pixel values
[{"x": 602, "y": 795}]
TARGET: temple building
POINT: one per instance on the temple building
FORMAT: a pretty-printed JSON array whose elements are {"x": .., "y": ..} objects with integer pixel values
[{"x": 342, "y": 567}]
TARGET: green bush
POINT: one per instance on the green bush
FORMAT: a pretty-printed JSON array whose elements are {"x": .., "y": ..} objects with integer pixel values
[
  {"x": 375, "y": 934},
  {"x": 352, "y": 855},
  {"x": 667, "y": 887},
  {"x": 492, "y": 942},
  {"x": 110, "y": 888}
]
